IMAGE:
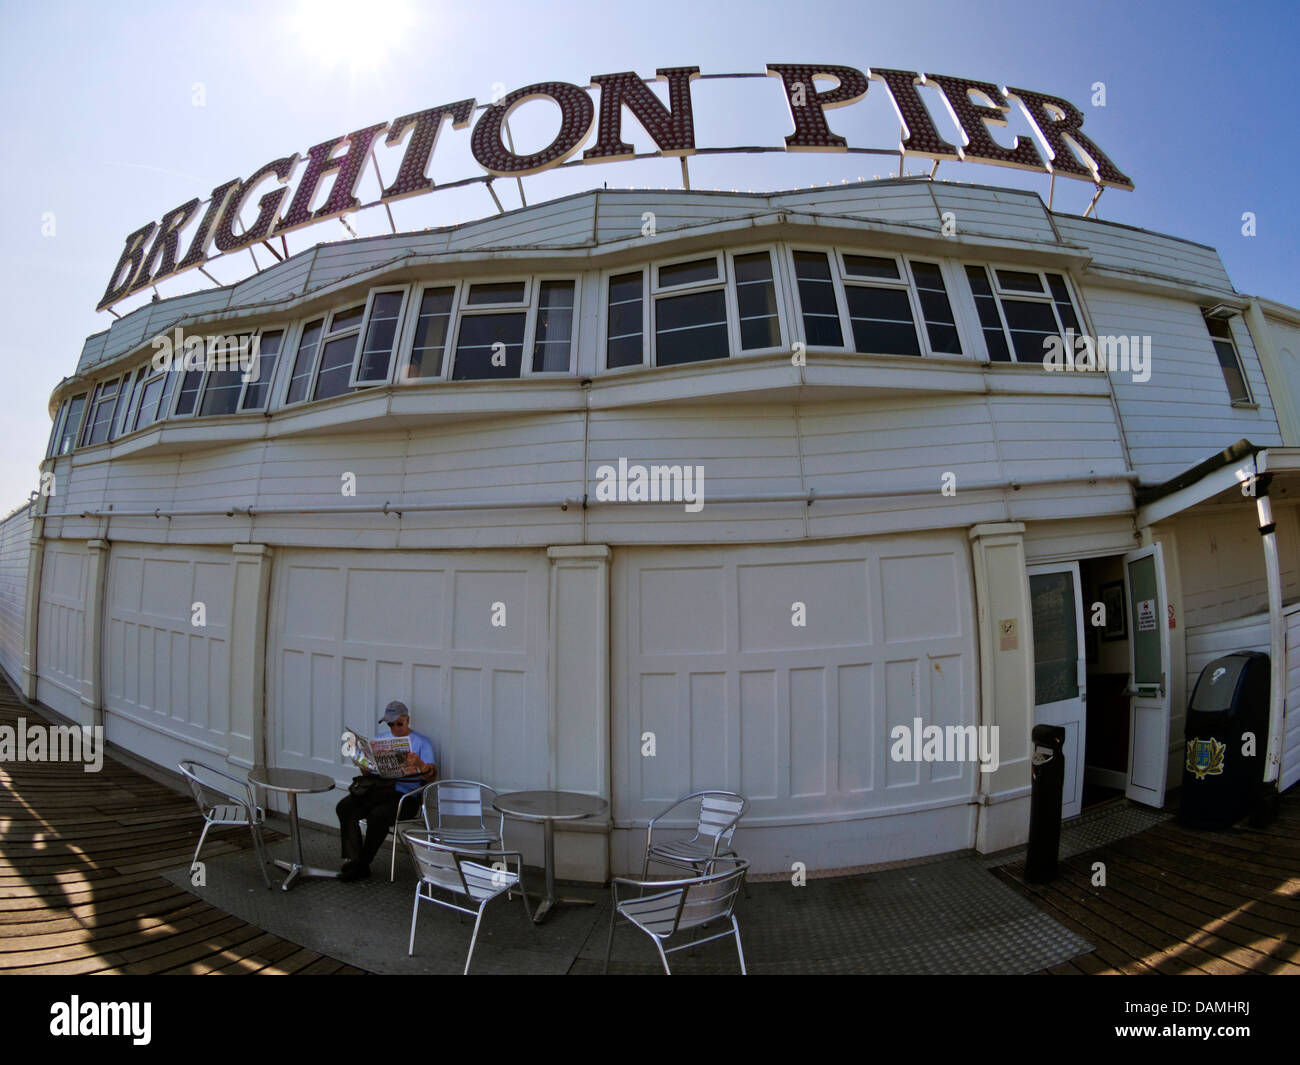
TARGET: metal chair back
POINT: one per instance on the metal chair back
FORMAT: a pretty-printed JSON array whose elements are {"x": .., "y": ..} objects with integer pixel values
[
  {"x": 719, "y": 813},
  {"x": 225, "y": 806},
  {"x": 663, "y": 908}
]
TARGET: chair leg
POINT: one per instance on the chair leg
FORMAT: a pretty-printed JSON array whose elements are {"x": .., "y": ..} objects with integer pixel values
[
  {"x": 256, "y": 829},
  {"x": 392, "y": 863},
  {"x": 202, "y": 836},
  {"x": 736, "y": 928},
  {"x": 609, "y": 941},
  {"x": 415, "y": 912},
  {"x": 662, "y": 956},
  {"x": 473, "y": 939}
]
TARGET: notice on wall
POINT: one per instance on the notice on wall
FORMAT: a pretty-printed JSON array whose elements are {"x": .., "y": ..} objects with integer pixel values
[
  {"x": 1146, "y": 615},
  {"x": 1008, "y": 635}
]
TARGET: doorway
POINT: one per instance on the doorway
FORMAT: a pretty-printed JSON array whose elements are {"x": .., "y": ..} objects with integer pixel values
[{"x": 1100, "y": 672}]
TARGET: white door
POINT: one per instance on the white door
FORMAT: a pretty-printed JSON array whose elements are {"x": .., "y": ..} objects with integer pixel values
[
  {"x": 1060, "y": 696},
  {"x": 1148, "y": 686}
]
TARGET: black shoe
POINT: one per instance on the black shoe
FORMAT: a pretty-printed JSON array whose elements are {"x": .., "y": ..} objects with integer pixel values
[{"x": 354, "y": 870}]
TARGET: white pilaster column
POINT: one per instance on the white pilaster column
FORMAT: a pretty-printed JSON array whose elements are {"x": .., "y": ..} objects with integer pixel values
[
  {"x": 249, "y": 601},
  {"x": 32, "y": 612},
  {"x": 1006, "y": 643},
  {"x": 92, "y": 669},
  {"x": 579, "y": 689}
]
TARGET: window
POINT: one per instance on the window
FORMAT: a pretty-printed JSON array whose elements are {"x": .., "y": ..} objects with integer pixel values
[
  {"x": 554, "y": 334},
  {"x": 262, "y": 372},
  {"x": 624, "y": 323},
  {"x": 338, "y": 352},
  {"x": 381, "y": 337},
  {"x": 125, "y": 400},
  {"x": 191, "y": 382},
  {"x": 155, "y": 399},
  {"x": 71, "y": 425},
  {"x": 102, "y": 406},
  {"x": 884, "y": 300},
  {"x": 490, "y": 344},
  {"x": 222, "y": 387},
  {"x": 1021, "y": 312},
  {"x": 432, "y": 328},
  {"x": 690, "y": 312},
  {"x": 821, "y": 313},
  {"x": 56, "y": 430},
  {"x": 495, "y": 322},
  {"x": 760, "y": 322},
  {"x": 1229, "y": 361},
  {"x": 308, "y": 346}
]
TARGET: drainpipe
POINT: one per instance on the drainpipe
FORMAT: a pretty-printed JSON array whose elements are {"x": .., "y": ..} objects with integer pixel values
[{"x": 1266, "y": 808}]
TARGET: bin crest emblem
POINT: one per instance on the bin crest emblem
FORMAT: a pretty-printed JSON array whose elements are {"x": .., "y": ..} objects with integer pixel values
[{"x": 1205, "y": 757}]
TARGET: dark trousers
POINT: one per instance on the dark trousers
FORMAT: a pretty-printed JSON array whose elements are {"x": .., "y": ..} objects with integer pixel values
[{"x": 378, "y": 808}]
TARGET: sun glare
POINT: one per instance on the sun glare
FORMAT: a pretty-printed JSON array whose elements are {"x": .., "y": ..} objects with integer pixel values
[{"x": 361, "y": 37}]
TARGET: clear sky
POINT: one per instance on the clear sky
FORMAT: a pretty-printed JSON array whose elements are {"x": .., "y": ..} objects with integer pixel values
[{"x": 115, "y": 113}]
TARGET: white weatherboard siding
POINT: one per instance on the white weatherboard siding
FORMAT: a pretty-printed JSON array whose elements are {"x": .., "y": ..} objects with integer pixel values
[
  {"x": 353, "y": 630},
  {"x": 1183, "y": 414},
  {"x": 166, "y": 678},
  {"x": 796, "y": 718},
  {"x": 1222, "y": 562},
  {"x": 15, "y": 540},
  {"x": 60, "y": 636},
  {"x": 1291, "y": 725}
]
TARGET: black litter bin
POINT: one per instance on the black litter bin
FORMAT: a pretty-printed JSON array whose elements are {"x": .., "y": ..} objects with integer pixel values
[
  {"x": 1046, "y": 788},
  {"x": 1220, "y": 781}
]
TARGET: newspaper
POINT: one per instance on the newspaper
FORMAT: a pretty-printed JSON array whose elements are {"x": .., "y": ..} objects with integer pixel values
[{"x": 385, "y": 755}]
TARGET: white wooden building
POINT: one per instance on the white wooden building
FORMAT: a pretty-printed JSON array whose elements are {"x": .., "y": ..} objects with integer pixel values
[{"x": 897, "y": 500}]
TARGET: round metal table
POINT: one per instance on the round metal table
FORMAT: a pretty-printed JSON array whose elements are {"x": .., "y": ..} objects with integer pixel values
[
  {"x": 549, "y": 807},
  {"x": 293, "y": 782}
]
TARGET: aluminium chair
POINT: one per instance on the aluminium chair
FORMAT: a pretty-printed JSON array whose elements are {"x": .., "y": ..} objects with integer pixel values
[
  {"x": 415, "y": 797},
  {"x": 471, "y": 877},
  {"x": 719, "y": 813},
  {"x": 223, "y": 807},
  {"x": 460, "y": 812},
  {"x": 679, "y": 906}
]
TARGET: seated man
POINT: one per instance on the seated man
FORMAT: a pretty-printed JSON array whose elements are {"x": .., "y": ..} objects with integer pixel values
[{"x": 377, "y": 805}]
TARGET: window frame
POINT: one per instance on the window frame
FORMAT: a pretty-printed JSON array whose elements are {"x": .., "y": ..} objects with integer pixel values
[
  {"x": 411, "y": 322},
  {"x": 284, "y": 330},
  {"x": 1045, "y": 296},
  {"x": 1248, "y": 401},
  {"x": 906, "y": 281},
  {"x": 60, "y": 416},
  {"x": 76, "y": 435},
  {"x": 733, "y": 300},
  {"x": 606, "y": 279},
  {"x": 461, "y": 309},
  {"x": 399, "y": 331},
  {"x": 98, "y": 397}
]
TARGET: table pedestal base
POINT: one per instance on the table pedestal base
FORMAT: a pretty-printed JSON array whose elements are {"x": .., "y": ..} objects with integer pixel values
[{"x": 295, "y": 871}]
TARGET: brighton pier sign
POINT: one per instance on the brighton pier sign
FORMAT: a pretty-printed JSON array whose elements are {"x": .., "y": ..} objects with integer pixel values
[{"x": 153, "y": 252}]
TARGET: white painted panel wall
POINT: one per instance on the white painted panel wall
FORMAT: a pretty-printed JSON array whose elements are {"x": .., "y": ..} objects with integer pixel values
[
  {"x": 353, "y": 630},
  {"x": 167, "y": 679},
  {"x": 15, "y": 539},
  {"x": 61, "y": 626},
  {"x": 1183, "y": 414},
  {"x": 796, "y": 718}
]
